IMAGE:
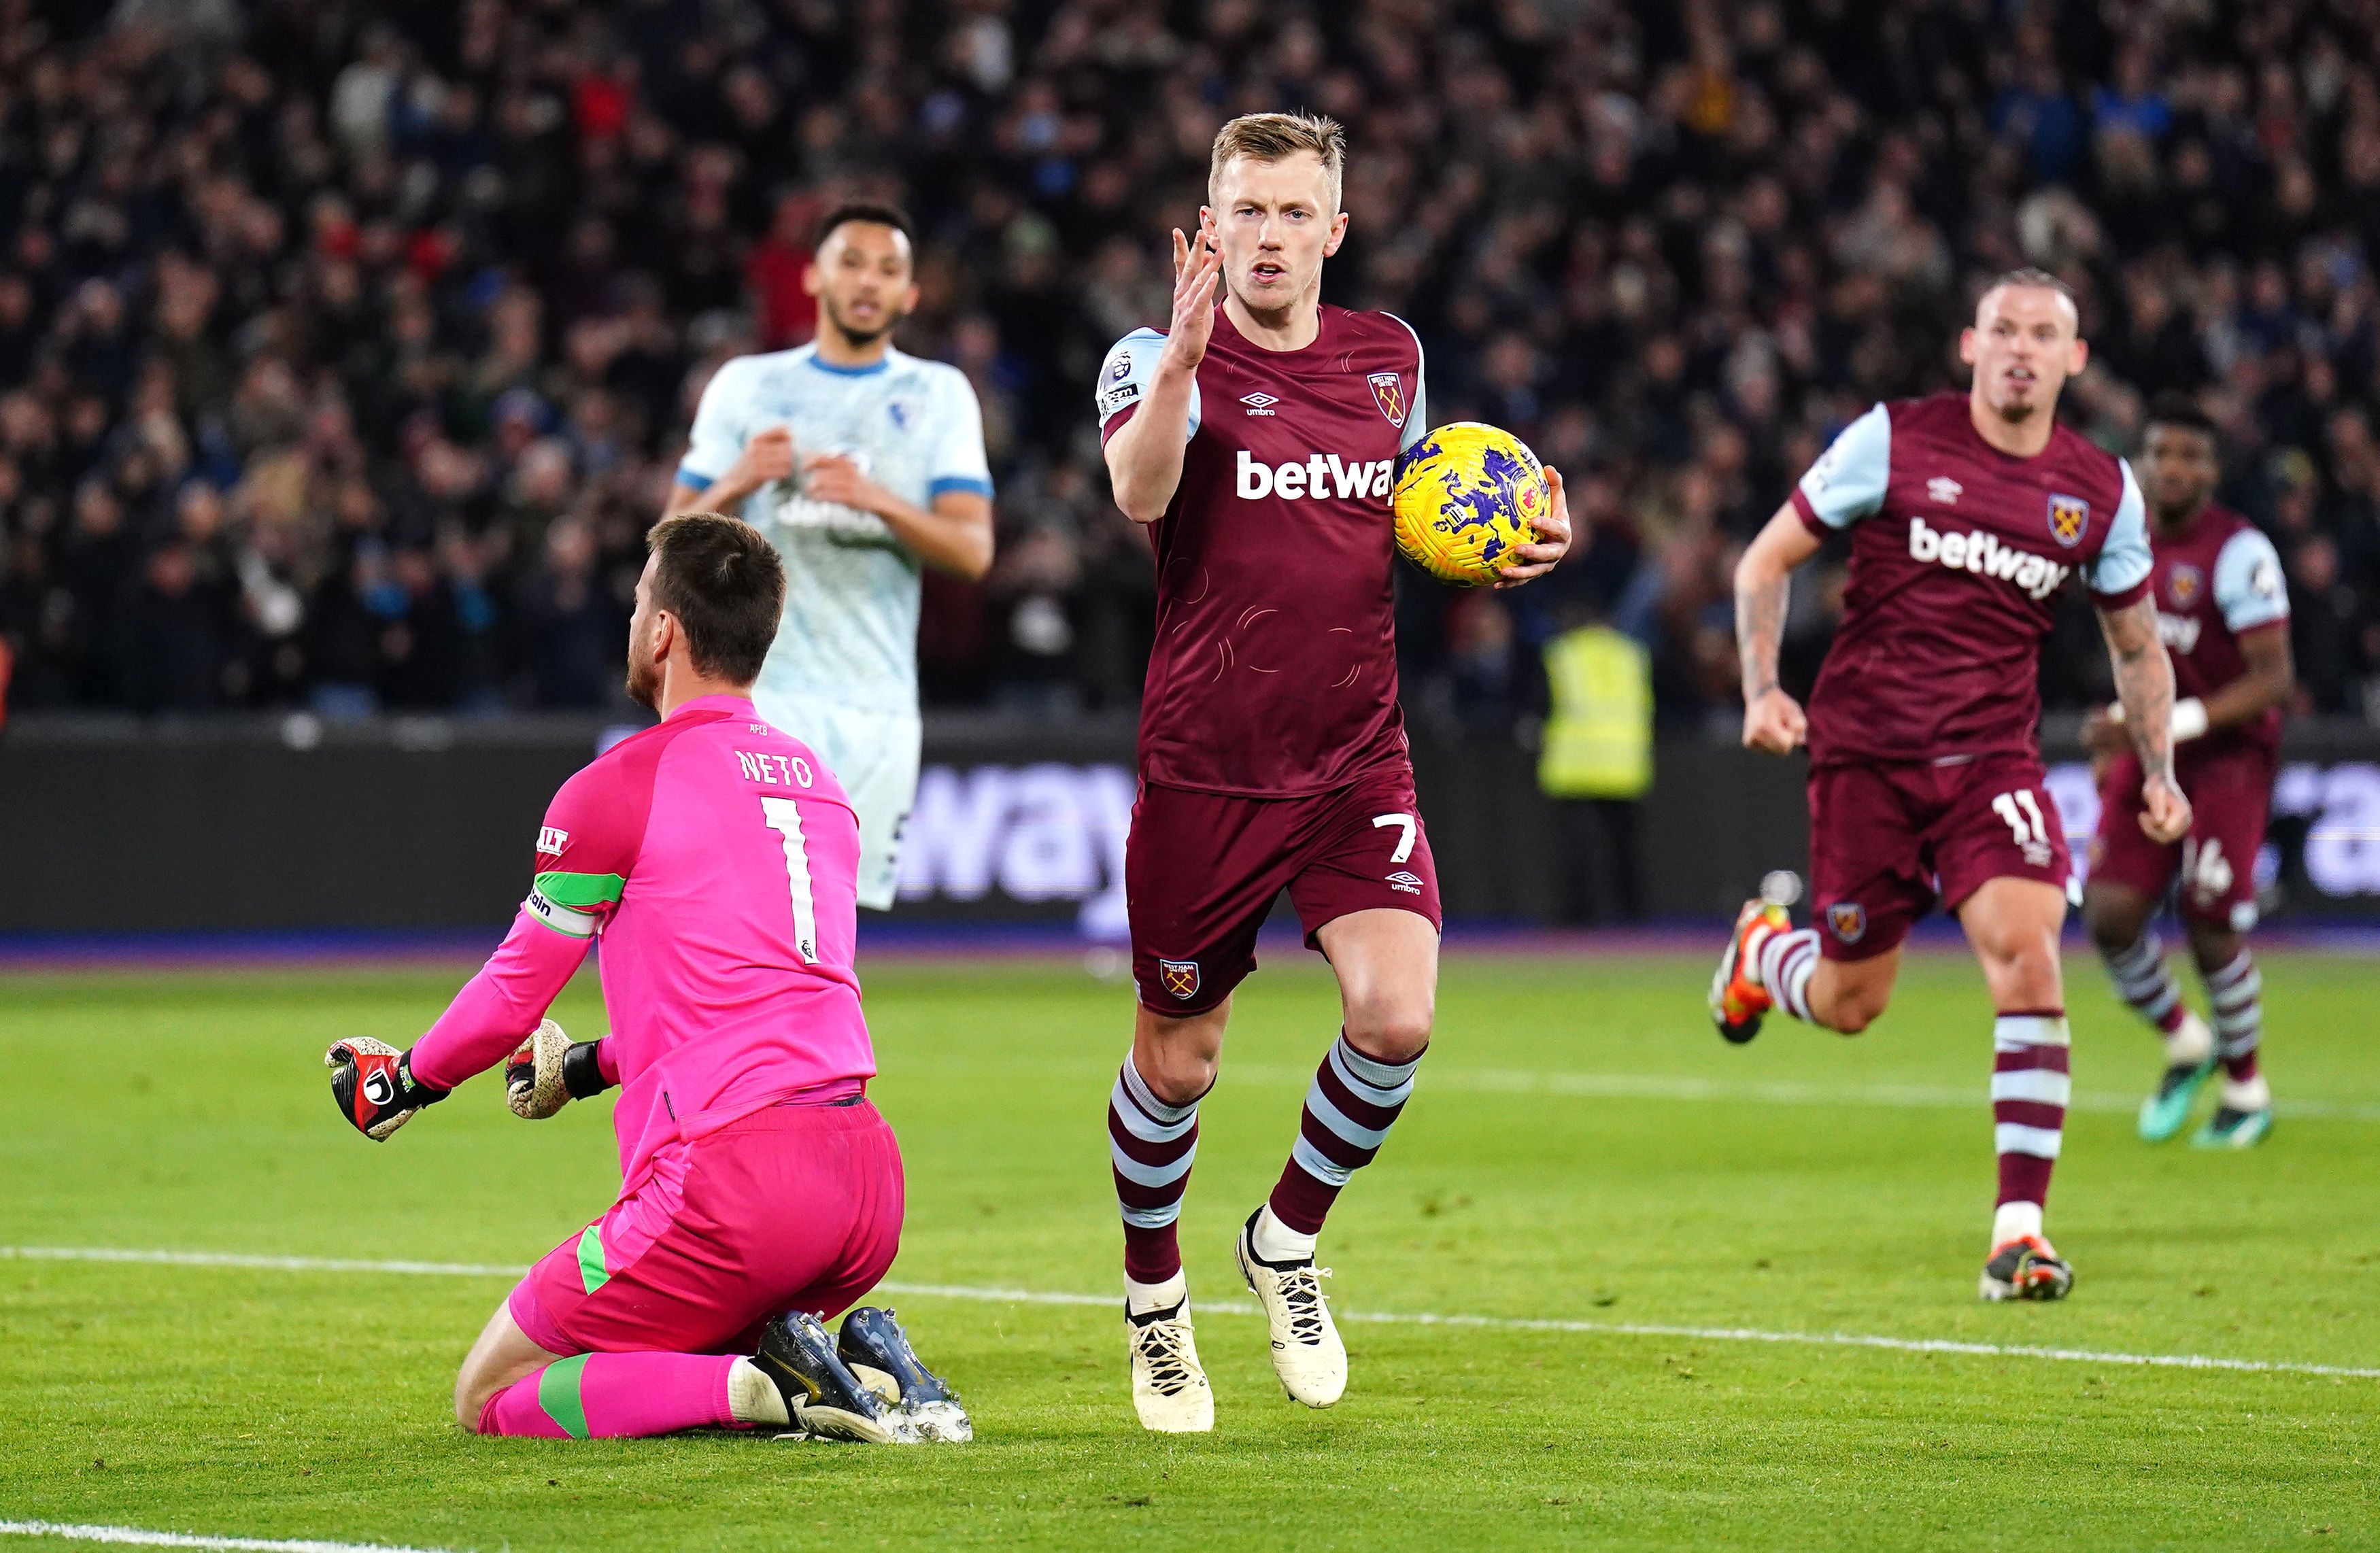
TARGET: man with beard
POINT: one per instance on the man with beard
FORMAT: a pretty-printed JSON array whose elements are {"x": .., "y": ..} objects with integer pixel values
[
  {"x": 863, "y": 465},
  {"x": 715, "y": 857}
]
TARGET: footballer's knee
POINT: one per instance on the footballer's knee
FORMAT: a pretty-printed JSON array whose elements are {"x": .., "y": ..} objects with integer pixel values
[
  {"x": 1176, "y": 1058},
  {"x": 2012, "y": 925},
  {"x": 1390, "y": 1029},
  {"x": 2213, "y": 946},
  {"x": 470, "y": 1402},
  {"x": 502, "y": 1355},
  {"x": 2025, "y": 977},
  {"x": 476, "y": 1384},
  {"x": 2115, "y": 918},
  {"x": 1176, "y": 1077},
  {"x": 1848, "y": 996},
  {"x": 1847, "y": 1018},
  {"x": 1853, "y": 1009}
]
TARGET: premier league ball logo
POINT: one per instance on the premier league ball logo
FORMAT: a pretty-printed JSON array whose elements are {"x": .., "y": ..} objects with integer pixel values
[
  {"x": 2069, "y": 517},
  {"x": 1179, "y": 977}
]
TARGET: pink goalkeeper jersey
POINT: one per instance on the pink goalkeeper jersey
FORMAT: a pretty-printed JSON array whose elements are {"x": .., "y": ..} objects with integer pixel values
[{"x": 716, "y": 862}]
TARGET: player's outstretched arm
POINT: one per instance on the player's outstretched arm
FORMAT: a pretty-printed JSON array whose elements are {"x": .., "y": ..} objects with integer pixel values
[
  {"x": 502, "y": 1005},
  {"x": 1773, "y": 721},
  {"x": 1144, "y": 456},
  {"x": 2144, "y": 690}
]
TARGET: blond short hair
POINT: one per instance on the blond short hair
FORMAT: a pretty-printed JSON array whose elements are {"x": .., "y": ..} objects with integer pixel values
[{"x": 1275, "y": 137}]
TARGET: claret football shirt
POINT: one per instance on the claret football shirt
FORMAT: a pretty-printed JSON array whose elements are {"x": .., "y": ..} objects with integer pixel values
[
  {"x": 2217, "y": 581},
  {"x": 1958, "y": 554},
  {"x": 1274, "y": 672}
]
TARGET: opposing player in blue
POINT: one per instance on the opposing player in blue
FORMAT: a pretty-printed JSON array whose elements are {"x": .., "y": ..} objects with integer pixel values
[{"x": 863, "y": 465}]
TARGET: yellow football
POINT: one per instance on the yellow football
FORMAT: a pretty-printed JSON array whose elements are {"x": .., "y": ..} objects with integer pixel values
[{"x": 1465, "y": 495}]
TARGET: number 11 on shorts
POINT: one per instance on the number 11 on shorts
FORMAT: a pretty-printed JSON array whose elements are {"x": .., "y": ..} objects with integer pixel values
[{"x": 2022, "y": 813}]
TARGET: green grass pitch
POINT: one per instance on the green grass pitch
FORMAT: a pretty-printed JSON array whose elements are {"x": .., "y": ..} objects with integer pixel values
[{"x": 1580, "y": 1146}]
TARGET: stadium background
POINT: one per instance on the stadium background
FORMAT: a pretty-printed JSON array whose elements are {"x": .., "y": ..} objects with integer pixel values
[{"x": 346, "y": 352}]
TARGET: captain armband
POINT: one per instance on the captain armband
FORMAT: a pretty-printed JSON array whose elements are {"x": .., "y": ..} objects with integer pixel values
[
  {"x": 561, "y": 918},
  {"x": 573, "y": 903}
]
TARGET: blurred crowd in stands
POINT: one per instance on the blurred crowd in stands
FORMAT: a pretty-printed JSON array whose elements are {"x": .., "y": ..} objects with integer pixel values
[{"x": 345, "y": 349}]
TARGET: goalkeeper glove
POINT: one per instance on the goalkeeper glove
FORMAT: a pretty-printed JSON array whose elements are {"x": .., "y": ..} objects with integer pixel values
[
  {"x": 372, "y": 1084},
  {"x": 548, "y": 1071}
]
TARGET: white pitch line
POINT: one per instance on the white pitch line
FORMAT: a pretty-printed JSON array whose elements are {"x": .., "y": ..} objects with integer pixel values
[
  {"x": 1249, "y": 1307},
  {"x": 267, "y": 1264},
  {"x": 139, "y": 1538},
  {"x": 1661, "y": 1087}
]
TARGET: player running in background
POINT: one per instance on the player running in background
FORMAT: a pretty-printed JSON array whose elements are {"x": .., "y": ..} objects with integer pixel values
[
  {"x": 863, "y": 465},
  {"x": 1967, "y": 512},
  {"x": 1256, "y": 440},
  {"x": 2224, "y": 612},
  {"x": 759, "y": 1191}
]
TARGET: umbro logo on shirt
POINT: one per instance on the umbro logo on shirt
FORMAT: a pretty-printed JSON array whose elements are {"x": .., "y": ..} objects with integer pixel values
[
  {"x": 1944, "y": 490},
  {"x": 1259, "y": 403}
]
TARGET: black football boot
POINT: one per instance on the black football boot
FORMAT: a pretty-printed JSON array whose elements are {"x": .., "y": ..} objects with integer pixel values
[
  {"x": 822, "y": 1397},
  {"x": 873, "y": 1339}
]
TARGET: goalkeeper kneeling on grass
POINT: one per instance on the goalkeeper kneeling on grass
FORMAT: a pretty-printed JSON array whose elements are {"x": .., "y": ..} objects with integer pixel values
[{"x": 717, "y": 861}]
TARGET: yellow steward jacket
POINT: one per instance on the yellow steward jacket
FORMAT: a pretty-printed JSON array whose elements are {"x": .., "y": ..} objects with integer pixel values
[{"x": 1599, "y": 740}]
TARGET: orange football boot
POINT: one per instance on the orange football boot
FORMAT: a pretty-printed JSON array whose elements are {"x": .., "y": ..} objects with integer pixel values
[{"x": 1737, "y": 1001}]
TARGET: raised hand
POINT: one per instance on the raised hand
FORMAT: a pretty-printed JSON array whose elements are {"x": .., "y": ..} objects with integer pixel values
[{"x": 1197, "y": 271}]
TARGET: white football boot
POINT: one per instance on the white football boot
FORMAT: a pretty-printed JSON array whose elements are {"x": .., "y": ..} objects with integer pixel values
[
  {"x": 1306, "y": 1352},
  {"x": 1169, "y": 1388}
]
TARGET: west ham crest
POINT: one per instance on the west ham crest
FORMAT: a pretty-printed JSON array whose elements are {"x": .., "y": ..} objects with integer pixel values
[
  {"x": 1849, "y": 919},
  {"x": 2069, "y": 517},
  {"x": 2183, "y": 583},
  {"x": 1388, "y": 393},
  {"x": 1179, "y": 977}
]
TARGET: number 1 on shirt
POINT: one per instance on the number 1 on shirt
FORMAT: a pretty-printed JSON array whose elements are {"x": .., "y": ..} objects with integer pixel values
[{"x": 784, "y": 817}]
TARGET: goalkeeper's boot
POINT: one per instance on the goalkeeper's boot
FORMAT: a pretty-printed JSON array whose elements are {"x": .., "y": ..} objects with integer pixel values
[
  {"x": 2026, "y": 1269},
  {"x": 2244, "y": 1115},
  {"x": 1169, "y": 1388},
  {"x": 1737, "y": 998},
  {"x": 822, "y": 1397},
  {"x": 1306, "y": 1352},
  {"x": 872, "y": 1344}
]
